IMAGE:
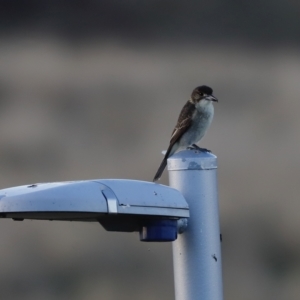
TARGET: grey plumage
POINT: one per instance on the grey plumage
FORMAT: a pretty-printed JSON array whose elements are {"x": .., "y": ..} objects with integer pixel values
[{"x": 193, "y": 122}]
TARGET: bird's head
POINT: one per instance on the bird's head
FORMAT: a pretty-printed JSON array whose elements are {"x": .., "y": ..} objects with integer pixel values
[{"x": 202, "y": 95}]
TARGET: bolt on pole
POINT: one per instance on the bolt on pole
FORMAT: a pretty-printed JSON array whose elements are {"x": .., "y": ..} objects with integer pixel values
[{"x": 197, "y": 252}]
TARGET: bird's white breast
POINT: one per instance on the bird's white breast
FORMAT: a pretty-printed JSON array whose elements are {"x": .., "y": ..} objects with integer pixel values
[{"x": 201, "y": 121}]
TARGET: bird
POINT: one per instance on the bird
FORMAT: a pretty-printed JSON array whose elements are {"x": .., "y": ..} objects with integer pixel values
[{"x": 193, "y": 122}]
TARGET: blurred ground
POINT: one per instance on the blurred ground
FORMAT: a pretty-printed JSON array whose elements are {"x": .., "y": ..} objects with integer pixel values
[{"x": 105, "y": 108}]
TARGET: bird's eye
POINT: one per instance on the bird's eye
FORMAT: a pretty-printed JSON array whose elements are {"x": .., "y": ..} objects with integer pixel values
[{"x": 201, "y": 94}]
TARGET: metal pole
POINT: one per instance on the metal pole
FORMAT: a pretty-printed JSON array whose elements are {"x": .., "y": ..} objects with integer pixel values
[{"x": 197, "y": 252}]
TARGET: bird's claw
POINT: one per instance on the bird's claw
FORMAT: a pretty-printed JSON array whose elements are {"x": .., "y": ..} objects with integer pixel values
[{"x": 195, "y": 147}]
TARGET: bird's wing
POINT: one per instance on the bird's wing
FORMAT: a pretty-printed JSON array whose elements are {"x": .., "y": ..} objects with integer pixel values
[
  {"x": 183, "y": 123},
  {"x": 180, "y": 129}
]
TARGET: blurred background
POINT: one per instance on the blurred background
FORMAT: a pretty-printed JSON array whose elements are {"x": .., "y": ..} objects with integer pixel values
[{"x": 93, "y": 89}]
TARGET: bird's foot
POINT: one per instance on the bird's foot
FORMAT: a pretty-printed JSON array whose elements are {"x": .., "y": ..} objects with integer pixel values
[{"x": 195, "y": 147}]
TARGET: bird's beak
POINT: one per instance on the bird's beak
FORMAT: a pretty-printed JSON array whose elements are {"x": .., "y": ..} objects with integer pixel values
[{"x": 212, "y": 98}]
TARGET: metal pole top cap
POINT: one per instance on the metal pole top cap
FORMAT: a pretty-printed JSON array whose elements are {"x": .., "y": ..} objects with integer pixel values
[{"x": 192, "y": 160}]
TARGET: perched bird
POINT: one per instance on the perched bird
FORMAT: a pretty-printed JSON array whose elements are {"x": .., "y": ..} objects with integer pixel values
[{"x": 193, "y": 122}]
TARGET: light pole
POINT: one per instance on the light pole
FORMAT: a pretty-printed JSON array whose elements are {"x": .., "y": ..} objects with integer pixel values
[
  {"x": 156, "y": 211},
  {"x": 197, "y": 252}
]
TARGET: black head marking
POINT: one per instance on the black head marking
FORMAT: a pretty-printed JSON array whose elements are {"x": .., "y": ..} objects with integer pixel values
[
  {"x": 200, "y": 91},
  {"x": 204, "y": 89}
]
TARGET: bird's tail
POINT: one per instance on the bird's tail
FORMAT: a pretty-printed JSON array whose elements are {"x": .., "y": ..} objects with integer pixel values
[{"x": 160, "y": 169}]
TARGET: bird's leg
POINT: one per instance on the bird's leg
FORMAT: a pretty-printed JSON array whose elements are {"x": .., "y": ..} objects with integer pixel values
[{"x": 196, "y": 147}]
